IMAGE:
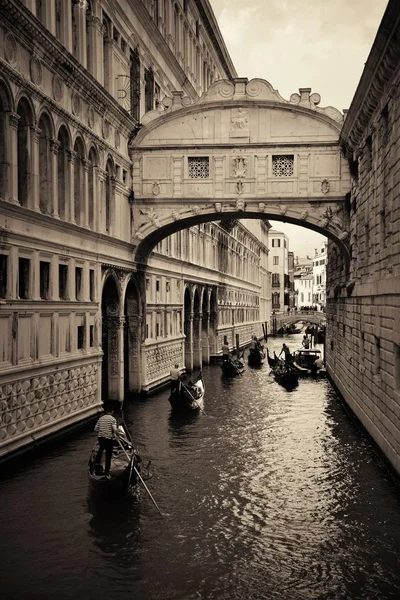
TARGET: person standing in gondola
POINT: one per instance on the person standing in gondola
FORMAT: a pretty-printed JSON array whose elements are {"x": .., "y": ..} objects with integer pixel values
[
  {"x": 175, "y": 375},
  {"x": 225, "y": 352},
  {"x": 107, "y": 430},
  {"x": 288, "y": 356}
]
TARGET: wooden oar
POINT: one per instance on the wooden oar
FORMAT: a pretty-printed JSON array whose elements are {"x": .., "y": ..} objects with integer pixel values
[
  {"x": 194, "y": 399},
  {"x": 140, "y": 477}
]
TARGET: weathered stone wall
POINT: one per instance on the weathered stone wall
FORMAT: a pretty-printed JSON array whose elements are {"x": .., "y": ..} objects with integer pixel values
[{"x": 363, "y": 309}]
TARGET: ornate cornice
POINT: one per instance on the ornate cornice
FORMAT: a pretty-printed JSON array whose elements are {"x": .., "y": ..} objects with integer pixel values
[{"x": 381, "y": 65}]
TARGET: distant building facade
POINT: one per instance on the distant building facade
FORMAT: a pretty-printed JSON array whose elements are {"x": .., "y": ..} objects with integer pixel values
[
  {"x": 320, "y": 260},
  {"x": 279, "y": 267}
]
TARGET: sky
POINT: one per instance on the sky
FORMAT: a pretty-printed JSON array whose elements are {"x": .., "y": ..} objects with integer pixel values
[{"x": 321, "y": 44}]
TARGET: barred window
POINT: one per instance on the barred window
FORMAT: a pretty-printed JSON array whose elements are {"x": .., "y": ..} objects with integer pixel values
[
  {"x": 283, "y": 165},
  {"x": 199, "y": 167}
]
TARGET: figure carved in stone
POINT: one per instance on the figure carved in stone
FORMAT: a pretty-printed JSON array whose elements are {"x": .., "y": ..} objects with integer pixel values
[
  {"x": 156, "y": 188},
  {"x": 283, "y": 209},
  {"x": 239, "y": 167},
  {"x": 240, "y": 205},
  {"x": 239, "y": 186},
  {"x": 152, "y": 216},
  {"x": 261, "y": 206},
  {"x": 240, "y": 120},
  {"x": 218, "y": 207}
]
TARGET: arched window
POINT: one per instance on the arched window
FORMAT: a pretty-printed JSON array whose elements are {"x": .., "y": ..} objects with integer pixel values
[
  {"x": 109, "y": 194},
  {"x": 79, "y": 204},
  {"x": 149, "y": 89},
  {"x": 25, "y": 121},
  {"x": 135, "y": 84},
  {"x": 62, "y": 172},
  {"x": 45, "y": 167},
  {"x": 93, "y": 162}
]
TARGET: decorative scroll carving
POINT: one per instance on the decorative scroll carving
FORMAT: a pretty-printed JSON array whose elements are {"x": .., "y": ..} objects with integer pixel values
[
  {"x": 325, "y": 186},
  {"x": 155, "y": 189},
  {"x": 239, "y": 166}
]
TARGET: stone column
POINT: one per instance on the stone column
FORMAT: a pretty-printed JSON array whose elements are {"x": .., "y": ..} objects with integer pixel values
[
  {"x": 197, "y": 350},
  {"x": 70, "y": 206},
  {"x": 50, "y": 15},
  {"x": 101, "y": 199},
  {"x": 142, "y": 99},
  {"x": 205, "y": 338},
  {"x": 134, "y": 329},
  {"x": 11, "y": 184},
  {"x": 34, "y": 168},
  {"x": 66, "y": 20},
  {"x": 108, "y": 80},
  {"x": 188, "y": 328},
  {"x": 35, "y": 274},
  {"x": 86, "y": 164},
  {"x": 80, "y": 16},
  {"x": 54, "y": 147},
  {"x": 54, "y": 286},
  {"x": 96, "y": 198},
  {"x": 115, "y": 358}
]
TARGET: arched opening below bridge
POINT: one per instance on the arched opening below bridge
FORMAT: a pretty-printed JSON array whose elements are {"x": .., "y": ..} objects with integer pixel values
[
  {"x": 188, "y": 330},
  {"x": 109, "y": 340},
  {"x": 132, "y": 353}
]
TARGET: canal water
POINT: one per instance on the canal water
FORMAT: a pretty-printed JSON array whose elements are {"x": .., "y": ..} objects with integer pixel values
[{"x": 270, "y": 495}]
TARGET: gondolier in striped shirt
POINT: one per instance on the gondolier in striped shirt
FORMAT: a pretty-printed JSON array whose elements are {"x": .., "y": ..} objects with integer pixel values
[{"x": 107, "y": 430}]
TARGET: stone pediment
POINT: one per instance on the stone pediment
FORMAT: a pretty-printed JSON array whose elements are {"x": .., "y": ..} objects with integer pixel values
[{"x": 245, "y": 93}]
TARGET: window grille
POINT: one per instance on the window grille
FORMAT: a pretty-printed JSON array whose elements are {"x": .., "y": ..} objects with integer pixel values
[
  {"x": 283, "y": 165},
  {"x": 199, "y": 167}
]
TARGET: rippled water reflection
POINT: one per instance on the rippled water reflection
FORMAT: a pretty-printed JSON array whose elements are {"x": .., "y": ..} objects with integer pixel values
[{"x": 273, "y": 494}]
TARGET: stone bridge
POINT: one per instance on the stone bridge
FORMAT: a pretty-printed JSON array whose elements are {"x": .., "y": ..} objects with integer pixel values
[
  {"x": 240, "y": 151},
  {"x": 308, "y": 316}
]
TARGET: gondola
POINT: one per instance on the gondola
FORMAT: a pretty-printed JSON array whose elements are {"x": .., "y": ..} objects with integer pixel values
[
  {"x": 233, "y": 366},
  {"x": 285, "y": 374},
  {"x": 190, "y": 397},
  {"x": 304, "y": 360},
  {"x": 125, "y": 464},
  {"x": 256, "y": 356}
]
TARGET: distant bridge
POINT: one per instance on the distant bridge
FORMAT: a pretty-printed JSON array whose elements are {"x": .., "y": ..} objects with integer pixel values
[{"x": 308, "y": 316}]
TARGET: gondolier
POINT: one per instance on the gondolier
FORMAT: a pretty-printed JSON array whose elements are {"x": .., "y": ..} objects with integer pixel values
[
  {"x": 107, "y": 430},
  {"x": 175, "y": 375}
]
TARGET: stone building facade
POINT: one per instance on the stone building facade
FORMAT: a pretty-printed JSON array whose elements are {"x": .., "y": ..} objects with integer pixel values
[
  {"x": 76, "y": 79},
  {"x": 363, "y": 308}
]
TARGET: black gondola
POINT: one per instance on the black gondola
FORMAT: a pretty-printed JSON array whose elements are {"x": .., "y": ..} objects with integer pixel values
[
  {"x": 233, "y": 366},
  {"x": 125, "y": 464},
  {"x": 188, "y": 398},
  {"x": 286, "y": 374},
  {"x": 256, "y": 356}
]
